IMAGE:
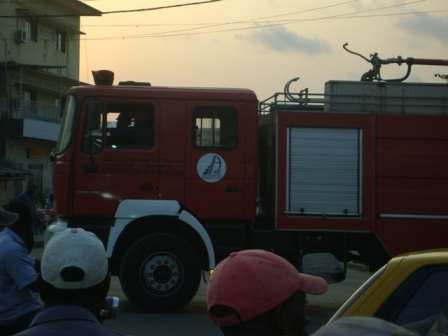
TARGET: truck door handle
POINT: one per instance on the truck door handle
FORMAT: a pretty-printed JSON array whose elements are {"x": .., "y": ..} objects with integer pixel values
[
  {"x": 234, "y": 189},
  {"x": 147, "y": 186}
]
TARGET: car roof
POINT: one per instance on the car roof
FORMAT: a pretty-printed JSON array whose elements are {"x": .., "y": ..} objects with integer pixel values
[
  {"x": 424, "y": 256},
  {"x": 384, "y": 282}
]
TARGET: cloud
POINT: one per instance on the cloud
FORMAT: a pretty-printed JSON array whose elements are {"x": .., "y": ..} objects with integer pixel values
[
  {"x": 425, "y": 25},
  {"x": 282, "y": 40}
]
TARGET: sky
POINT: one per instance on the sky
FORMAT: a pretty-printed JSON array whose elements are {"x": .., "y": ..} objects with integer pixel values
[{"x": 261, "y": 44}]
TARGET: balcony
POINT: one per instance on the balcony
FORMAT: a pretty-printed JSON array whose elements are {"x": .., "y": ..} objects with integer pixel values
[
  {"x": 15, "y": 108},
  {"x": 24, "y": 118}
]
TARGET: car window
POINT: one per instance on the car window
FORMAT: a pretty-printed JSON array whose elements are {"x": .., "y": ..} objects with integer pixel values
[
  {"x": 357, "y": 294},
  {"x": 424, "y": 310}
]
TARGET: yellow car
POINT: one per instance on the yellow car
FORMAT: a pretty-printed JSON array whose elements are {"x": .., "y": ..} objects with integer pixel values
[{"x": 411, "y": 290}]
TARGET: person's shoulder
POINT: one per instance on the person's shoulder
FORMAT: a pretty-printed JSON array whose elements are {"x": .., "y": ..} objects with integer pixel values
[
  {"x": 68, "y": 328},
  {"x": 74, "y": 327},
  {"x": 23, "y": 197},
  {"x": 109, "y": 332},
  {"x": 11, "y": 246},
  {"x": 7, "y": 239},
  {"x": 14, "y": 253},
  {"x": 67, "y": 320}
]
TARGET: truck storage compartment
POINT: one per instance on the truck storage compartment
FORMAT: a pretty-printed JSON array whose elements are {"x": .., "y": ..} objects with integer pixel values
[{"x": 408, "y": 98}]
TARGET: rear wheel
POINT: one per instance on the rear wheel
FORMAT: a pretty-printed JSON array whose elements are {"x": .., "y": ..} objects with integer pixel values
[{"x": 160, "y": 272}]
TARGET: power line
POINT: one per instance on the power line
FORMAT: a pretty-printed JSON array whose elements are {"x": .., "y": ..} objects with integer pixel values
[
  {"x": 267, "y": 24},
  {"x": 157, "y": 8},
  {"x": 109, "y": 12},
  {"x": 258, "y": 24},
  {"x": 236, "y": 22}
]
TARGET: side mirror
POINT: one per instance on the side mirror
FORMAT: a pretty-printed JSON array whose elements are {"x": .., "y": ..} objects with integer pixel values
[{"x": 94, "y": 111}]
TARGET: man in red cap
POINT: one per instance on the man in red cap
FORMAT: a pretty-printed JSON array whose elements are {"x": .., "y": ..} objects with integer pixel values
[{"x": 255, "y": 292}]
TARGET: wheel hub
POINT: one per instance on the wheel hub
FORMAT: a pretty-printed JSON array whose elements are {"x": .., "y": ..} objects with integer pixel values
[{"x": 161, "y": 272}]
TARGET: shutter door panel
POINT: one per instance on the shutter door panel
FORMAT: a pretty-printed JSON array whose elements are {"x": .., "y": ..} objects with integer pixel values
[{"x": 324, "y": 170}]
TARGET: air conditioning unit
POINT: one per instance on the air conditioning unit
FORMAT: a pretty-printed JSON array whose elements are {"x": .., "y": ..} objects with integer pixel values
[{"x": 21, "y": 36}]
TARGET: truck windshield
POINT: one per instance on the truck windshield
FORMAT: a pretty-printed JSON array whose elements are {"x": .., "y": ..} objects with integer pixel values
[{"x": 67, "y": 125}]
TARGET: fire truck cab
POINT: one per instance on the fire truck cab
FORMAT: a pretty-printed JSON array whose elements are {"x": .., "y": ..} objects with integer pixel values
[{"x": 145, "y": 167}]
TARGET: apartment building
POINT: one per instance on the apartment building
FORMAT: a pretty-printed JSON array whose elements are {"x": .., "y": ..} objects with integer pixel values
[{"x": 39, "y": 62}]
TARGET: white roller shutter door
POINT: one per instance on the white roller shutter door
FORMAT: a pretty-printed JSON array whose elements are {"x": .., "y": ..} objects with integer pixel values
[{"x": 324, "y": 171}]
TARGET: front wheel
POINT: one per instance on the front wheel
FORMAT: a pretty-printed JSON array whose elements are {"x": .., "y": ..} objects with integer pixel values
[{"x": 160, "y": 272}]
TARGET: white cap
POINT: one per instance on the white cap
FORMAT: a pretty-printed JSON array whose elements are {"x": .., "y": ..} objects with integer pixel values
[
  {"x": 74, "y": 248},
  {"x": 361, "y": 325}
]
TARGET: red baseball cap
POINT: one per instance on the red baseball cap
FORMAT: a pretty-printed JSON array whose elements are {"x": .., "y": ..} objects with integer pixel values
[{"x": 253, "y": 282}]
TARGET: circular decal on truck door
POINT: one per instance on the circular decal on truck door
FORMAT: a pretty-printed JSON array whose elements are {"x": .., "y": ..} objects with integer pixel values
[{"x": 211, "y": 167}]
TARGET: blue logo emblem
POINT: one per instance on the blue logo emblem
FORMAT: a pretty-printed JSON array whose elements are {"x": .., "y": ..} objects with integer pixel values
[{"x": 211, "y": 167}]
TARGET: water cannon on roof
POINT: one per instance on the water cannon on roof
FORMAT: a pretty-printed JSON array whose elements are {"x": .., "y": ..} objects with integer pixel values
[{"x": 374, "y": 73}]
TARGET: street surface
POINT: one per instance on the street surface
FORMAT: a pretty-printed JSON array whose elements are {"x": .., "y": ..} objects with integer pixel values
[{"x": 193, "y": 320}]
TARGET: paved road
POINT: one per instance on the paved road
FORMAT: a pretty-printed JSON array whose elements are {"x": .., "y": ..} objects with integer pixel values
[{"x": 193, "y": 320}]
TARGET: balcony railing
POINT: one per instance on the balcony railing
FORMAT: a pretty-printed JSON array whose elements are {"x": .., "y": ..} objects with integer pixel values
[{"x": 14, "y": 108}]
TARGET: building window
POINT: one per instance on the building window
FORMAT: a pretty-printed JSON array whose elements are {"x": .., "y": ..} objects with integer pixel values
[
  {"x": 31, "y": 30},
  {"x": 60, "y": 41},
  {"x": 30, "y": 102}
]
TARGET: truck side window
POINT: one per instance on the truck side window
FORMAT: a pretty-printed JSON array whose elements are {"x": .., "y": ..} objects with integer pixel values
[
  {"x": 215, "y": 127},
  {"x": 130, "y": 126}
]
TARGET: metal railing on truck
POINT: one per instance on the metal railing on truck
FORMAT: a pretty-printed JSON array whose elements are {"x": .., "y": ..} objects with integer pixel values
[{"x": 364, "y": 97}]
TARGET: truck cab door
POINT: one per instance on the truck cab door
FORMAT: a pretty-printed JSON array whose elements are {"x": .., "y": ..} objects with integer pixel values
[
  {"x": 119, "y": 160},
  {"x": 215, "y": 142}
]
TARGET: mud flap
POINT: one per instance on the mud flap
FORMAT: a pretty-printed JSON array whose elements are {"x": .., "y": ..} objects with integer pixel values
[{"x": 324, "y": 265}]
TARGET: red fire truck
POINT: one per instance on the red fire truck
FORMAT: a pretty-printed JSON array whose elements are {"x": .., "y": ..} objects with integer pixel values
[{"x": 174, "y": 179}]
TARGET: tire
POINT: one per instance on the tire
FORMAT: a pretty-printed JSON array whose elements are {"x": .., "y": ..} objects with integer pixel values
[
  {"x": 160, "y": 272},
  {"x": 338, "y": 277}
]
